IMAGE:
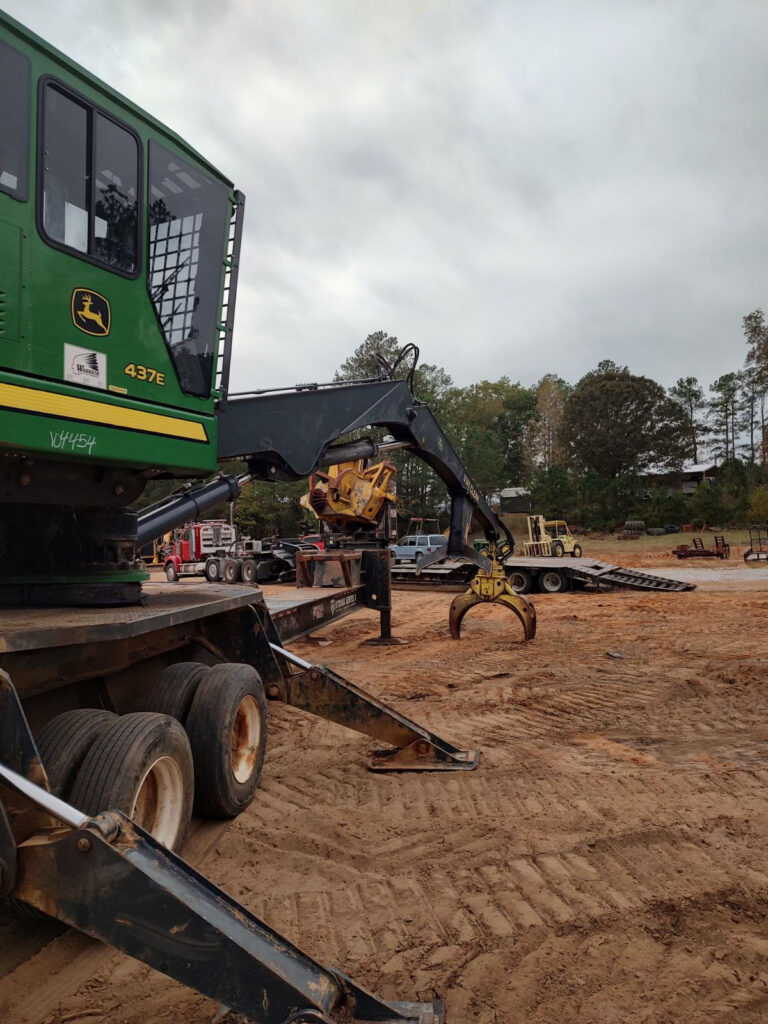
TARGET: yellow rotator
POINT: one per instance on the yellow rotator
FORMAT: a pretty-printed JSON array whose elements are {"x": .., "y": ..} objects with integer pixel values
[
  {"x": 350, "y": 493},
  {"x": 493, "y": 586}
]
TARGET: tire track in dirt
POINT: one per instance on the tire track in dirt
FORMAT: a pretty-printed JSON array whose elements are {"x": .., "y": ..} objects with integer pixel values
[{"x": 511, "y": 894}]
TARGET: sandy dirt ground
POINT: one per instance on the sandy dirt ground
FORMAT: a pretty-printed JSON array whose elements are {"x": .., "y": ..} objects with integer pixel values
[{"x": 605, "y": 864}]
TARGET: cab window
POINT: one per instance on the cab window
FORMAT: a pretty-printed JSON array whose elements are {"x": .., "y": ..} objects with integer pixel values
[
  {"x": 90, "y": 175},
  {"x": 188, "y": 223},
  {"x": 14, "y": 122}
]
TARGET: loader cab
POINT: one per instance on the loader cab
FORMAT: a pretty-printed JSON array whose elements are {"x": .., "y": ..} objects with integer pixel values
[{"x": 118, "y": 259}]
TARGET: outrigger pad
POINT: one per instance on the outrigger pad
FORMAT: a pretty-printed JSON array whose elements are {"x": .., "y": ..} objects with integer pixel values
[
  {"x": 323, "y": 692},
  {"x": 422, "y": 1013},
  {"x": 418, "y": 1013},
  {"x": 363, "y": 1006},
  {"x": 425, "y": 756}
]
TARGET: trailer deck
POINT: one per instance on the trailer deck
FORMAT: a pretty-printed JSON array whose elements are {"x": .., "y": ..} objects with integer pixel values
[
  {"x": 526, "y": 572},
  {"x": 48, "y": 649},
  {"x": 170, "y": 604}
]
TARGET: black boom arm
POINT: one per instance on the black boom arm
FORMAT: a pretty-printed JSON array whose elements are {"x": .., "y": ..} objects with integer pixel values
[{"x": 287, "y": 435}]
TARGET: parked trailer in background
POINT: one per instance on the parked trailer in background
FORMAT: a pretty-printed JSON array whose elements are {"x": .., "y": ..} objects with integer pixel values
[{"x": 542, "y": 575}]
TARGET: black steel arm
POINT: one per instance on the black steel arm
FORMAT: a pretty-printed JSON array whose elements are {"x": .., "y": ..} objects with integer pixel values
[
  {"x": 108, "y": 878},
  {"x": 286, "y": 436}
]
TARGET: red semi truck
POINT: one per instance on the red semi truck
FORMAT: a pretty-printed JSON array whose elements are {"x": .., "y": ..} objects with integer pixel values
[
  {"x": 194, "y": 544},
  {"x": 213, "y": 549}
]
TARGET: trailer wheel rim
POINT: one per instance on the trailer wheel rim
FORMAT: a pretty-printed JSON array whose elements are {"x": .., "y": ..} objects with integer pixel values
[
  {"x": 517, "y": 581},
  {"x": 551, "y": 582},
  {"x": 159, "y": 802},
  {"x": 245, "y": 738}
]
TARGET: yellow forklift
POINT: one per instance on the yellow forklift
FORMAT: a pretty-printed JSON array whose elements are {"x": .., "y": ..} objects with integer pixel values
[{"x": 550, "y": 538}]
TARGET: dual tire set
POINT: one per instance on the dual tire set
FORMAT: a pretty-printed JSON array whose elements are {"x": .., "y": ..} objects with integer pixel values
[
  {"x": 249, "y": 570},
  {"x": 228, "y": 570},
  {"x": 199, "y": 746},
  {"x": 548, "y": 581}
]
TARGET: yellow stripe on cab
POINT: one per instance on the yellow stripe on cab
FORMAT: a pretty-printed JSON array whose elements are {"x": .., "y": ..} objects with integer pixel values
[{"x": 13, "y": 396}]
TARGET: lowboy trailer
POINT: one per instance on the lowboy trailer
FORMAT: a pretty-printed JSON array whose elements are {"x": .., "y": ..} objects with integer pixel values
[{"x": 542, "y": 575}]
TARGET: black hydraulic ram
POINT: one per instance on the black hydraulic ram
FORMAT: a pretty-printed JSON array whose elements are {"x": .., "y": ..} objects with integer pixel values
[{"x": 187, "y": 504}]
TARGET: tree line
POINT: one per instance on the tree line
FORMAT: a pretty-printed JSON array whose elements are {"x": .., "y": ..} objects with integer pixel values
[{"x": 602, "y": 450}]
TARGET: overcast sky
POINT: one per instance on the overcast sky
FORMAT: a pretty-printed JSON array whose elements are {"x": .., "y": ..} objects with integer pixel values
[{"x": 516, "y": 187}]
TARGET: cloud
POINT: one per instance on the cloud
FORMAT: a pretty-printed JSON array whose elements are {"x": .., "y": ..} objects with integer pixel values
[{"x": 517, "y": 188}]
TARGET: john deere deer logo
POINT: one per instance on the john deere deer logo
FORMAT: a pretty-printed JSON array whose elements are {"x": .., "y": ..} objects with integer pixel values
[{"x": 90, "y": 312}]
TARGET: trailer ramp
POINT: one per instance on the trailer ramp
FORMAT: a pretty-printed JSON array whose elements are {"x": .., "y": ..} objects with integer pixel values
[{"x": 614, "y": 575}]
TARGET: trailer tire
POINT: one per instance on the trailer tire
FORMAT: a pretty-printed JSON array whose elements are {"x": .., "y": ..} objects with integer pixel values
[
  {"x": 551, "y": 581},
  {"x": 576, "y": 553},
  {"x": 64, "y": 741},
  {"x": 231, "y": 572},
  {"x": 557, "y": 549},
  {"x": 213, "y": 570},
  {"x": 142, "y": 766},
  {"x": 171, "y": 573},
  {"x": 520, "y": 581},
  {"x": 227, "y": 728},
  {"x": 249, "y": 571},
  {"x": 175, "y": 689}
]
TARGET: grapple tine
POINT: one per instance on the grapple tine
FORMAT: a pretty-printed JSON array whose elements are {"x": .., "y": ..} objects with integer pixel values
[{"x": 492, "y": 587}]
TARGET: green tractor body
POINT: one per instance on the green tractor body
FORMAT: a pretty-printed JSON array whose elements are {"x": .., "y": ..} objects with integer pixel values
[
  {"x": 118, "y": 260},
  {"x": 114, "y": 247}
]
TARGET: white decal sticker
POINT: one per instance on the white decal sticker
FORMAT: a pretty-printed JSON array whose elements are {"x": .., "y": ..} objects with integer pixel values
[
  {"x": 82, "y": 366},
  {"x": 340, "y": 604}
]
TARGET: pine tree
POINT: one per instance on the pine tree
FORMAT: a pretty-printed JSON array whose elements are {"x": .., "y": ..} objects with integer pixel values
[{"x": 689, "y": 395}]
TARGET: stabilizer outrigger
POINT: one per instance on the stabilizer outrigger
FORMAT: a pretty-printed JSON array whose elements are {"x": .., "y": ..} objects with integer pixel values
[{"x": 107, "y": 877}]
